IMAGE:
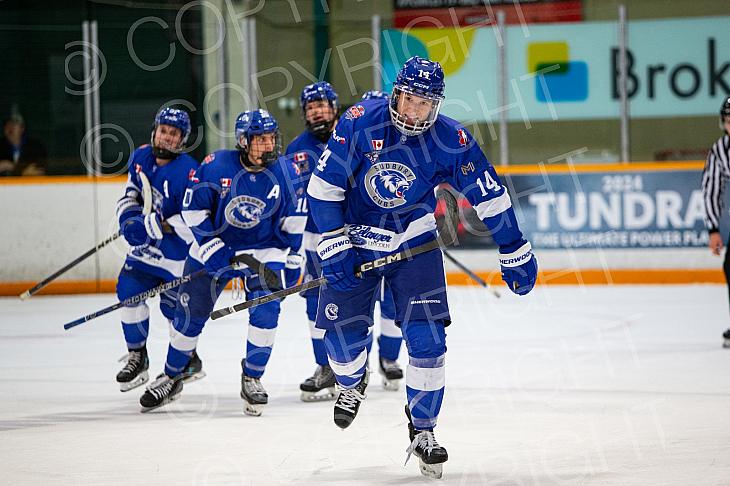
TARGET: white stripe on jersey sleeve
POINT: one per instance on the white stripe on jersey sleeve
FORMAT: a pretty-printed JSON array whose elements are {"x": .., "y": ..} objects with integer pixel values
[
  {"x": 495, "y": 206},
  {"x": 194, "y": 217},
  {"x": 293, "y": 224},
  {"x": 324, "y": 191}
]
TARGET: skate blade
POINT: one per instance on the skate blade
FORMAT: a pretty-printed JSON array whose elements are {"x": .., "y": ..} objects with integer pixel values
[
  {"x": 328, "y": 395},
  {"x": 194, "y": 377},
  {"x": 141, "y": 379},
  {"x": 391, "y": 385},
  {"x": 165, "y": 402},
  {"x": 254, "y": 410},
  {"x": 433, "y": 471}
]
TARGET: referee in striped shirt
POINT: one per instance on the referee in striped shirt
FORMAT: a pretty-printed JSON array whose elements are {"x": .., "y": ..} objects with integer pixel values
[{"x": 717, "y": 171}]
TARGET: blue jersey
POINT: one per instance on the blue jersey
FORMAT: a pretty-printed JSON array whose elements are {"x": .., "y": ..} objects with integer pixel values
[
  {"x": 303, "y": 153},
  {"x": 168, "y": 183},
  {"x": 380, "y": 183},
  {"x": 247, "y": 210}
]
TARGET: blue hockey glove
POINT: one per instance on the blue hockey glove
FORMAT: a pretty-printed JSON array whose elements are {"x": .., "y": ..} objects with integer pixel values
[
  {"x": 217, "y": 259},
  {"x": 133, "y": 230},
  {"x": 293, "y": 269},
  {"x": 153, "y": 226},
  {"x": 338, "y": 260},
  {"x": 519, "y": 268}
]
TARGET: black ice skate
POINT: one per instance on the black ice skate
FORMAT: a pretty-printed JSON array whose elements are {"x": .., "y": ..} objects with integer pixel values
[
  {"x": 431, "y": 456},
  {"x": 134, "y": 373},
  {"x": 194, "y": 370},
  {"x": 726, "y": 337},
  {"x": 392, "y": 374},
  {"x": 161, "y": 392},
  {"x": 320, "y": 386},
  {"x": 254, "y": 394},
  {"x": 348, "y": 402}
]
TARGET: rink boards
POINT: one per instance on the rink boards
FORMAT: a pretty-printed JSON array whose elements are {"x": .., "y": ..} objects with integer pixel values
[{"x": 589, "y": 224}]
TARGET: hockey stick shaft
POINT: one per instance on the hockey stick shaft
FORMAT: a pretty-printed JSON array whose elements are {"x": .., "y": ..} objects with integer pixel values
[
  {"x": 136, "y": 299},
  {"x": 447, "y": 236},
  {"x": 30, "y": 292},
  {"x": 471, "y": 274},
  {"x": 365, "y": 267}
]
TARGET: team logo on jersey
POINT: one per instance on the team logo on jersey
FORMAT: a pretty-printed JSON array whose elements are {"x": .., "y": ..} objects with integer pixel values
[
  {"x": 466, "y": 168},
  {"x": 331, "y": 312},
  {"x": 462, "y": 137},
  {"x": 244, "y": 211},
  {"x": 355, "y": 112},
  {"x": 388, "y": 182},
  {"x": 377, "y": 145},
  {"x": 137, "y": 168},
  {"x": 372, "y": 156},
  {"x": 337, "y": 138},
  {"x": 209, "y": 158}
]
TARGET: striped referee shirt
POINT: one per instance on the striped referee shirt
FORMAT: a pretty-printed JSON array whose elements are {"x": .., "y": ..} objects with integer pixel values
[{"x": 717, "y": 171}]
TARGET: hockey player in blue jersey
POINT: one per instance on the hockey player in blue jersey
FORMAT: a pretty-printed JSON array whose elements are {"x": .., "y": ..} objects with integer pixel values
[
  {"x": 319, "y": 105},
  {"x": 372, "y": 194},
  {"x": 158, "y": 241},
  {"x": 240, "y": 201}
]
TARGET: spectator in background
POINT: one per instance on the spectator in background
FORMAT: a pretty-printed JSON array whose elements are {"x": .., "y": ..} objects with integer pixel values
[
  {"x": 20, "y": 155},
  {"x": 714, "y": 177}
]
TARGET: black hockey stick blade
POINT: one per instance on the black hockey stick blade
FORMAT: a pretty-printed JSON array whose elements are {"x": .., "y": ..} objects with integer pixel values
[
  {"x": 136, "y": 299},
  {"x": 37, "y": 287},
  {"x": 447, "y": 235}
]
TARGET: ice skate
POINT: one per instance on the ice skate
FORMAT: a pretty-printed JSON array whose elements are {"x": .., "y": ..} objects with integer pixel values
[
  {"x": 194, "y": 370},
  {"x": 348, "y": 402},
  {"x": 431, "y": 455},
  {"x": 161, "y": 392},
  {"x": 726, "y": 339},
  {"x": 320, "y": 386},
  {"x": 134, "y": 373},
  {"x": 254, "y": 394},
  {"x": 392, "y": 374}
]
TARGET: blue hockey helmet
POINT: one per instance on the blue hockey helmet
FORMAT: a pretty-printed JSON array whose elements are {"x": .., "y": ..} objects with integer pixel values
[
  {"x": 172, "y": 117},
  {"x": 423, "y": 79},
  {"x": 321, "y": 126},
  {"x": 374, "y": 95},
  {"x": 250, "y": 124}
]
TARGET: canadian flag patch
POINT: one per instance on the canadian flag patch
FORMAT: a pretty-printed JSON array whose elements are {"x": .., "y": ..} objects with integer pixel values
[
  {"x": 377, "y": 144},
  {"x": 462, "y": 137},
  {"x": 225, "y": 182},
  {"x": 191, "y": 176},
  {"x": 300, "y": 156},
  {"x": 209, "y": 158}
]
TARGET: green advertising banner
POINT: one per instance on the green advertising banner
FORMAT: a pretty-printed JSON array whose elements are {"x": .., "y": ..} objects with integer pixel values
[{"x": 678, "y": 67}]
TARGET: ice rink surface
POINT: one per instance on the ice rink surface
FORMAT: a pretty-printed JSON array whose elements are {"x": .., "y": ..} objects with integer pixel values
[{"x": 569, "y": 386}]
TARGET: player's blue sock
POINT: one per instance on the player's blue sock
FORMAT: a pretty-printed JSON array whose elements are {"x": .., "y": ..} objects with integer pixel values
[
  {"x": 136, "y": 325},
  {"x": 261, "y": 333},
  {"x": 426, "y": 374},
  {"x": 346, "y": 348}
]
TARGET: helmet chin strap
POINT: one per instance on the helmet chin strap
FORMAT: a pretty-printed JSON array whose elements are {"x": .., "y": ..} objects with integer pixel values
[{"x": 266, "y": 159}]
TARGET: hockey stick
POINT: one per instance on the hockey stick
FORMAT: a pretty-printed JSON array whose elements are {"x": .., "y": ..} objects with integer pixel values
[
  {"x": 146, "y": 209},
  {"x": 447, "y": 236},
  {"x": 471, "y": 274},
  {"x": 31, "y": 291},
  {"x": 247, "y": 260}
]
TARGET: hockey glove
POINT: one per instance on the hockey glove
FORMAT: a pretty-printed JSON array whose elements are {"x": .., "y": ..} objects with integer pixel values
[
  {"x": 338, "y": 260},
  {"x": 133, "y": 230},
  {"x": 153, "y": 226},
  {"x": 519, "y": 267},
  {"x": 216, "y": 257},
  {"x": 293, "y": 269}
]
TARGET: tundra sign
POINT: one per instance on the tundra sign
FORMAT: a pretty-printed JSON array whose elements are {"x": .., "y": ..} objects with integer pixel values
[{"x": 630, "y": 209}]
